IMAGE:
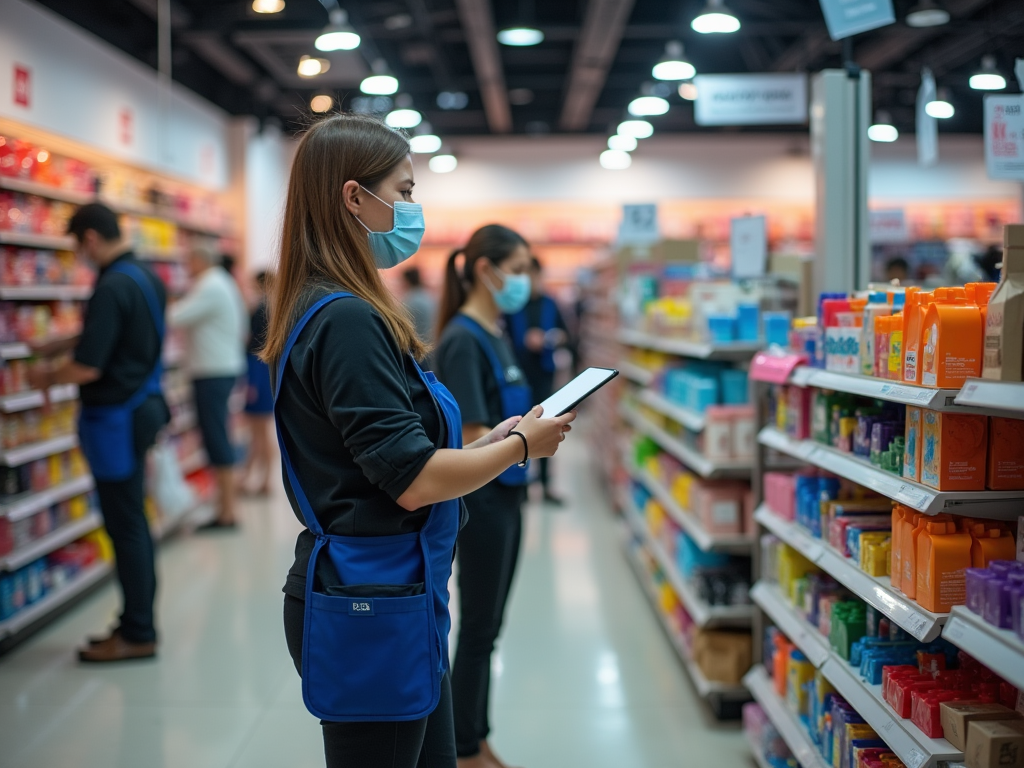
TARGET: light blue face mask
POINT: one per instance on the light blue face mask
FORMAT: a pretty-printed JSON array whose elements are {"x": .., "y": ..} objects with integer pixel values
[
  {"x": 513, "y": 294},
  {"x": 402, "y": 240}
]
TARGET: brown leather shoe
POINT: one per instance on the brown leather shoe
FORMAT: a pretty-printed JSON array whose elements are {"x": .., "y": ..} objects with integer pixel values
[
  {"x": 116, "y": 648},
  {"x": 97, "y": 639}
]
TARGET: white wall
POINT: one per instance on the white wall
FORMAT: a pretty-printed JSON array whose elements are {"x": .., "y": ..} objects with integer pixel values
[
  {"x": 268, "y": 158},
  {"x": 82, "y": 88}
]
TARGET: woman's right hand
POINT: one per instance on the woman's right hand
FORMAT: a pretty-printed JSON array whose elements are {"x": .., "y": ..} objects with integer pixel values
[{"x": 543, "y": 436}]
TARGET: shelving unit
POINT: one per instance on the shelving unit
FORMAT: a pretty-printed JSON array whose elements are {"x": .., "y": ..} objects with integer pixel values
[
  {"x": 33, "y": 240},
  {"x": 786, "y": 723},
  {"x": 15, "y": 457},
  {"x": 1006, "y": 397},
  {"x": 998, "y": 649},
  {"x": 54, "y": 540},
  {"x": 879, "y": 389},
  {"x": 635, "y": 373},
  {"x": 15, "y": 351},
  {"x": 658, "y": 402},
  {"x": 45, "y": 292},
  {"x": 83, "y": 581},
  {"x": 25, "y": 401},
  {"x": 684, "y": 348},
  {"x": 808, "y": 639},
  {"x": 991, "y": 504},
  {"x": 28, "y": 504}
]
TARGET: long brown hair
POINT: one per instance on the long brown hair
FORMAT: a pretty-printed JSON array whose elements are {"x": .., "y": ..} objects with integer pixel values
[
  {"x": 320, "y": 240},
  {"x": 493, "y": 242}
]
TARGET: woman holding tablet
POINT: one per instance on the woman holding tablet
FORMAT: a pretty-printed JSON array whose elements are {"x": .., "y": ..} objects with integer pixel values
[
  {"x": 487, "y": 278},
  {"x": 373, "y": 458}
]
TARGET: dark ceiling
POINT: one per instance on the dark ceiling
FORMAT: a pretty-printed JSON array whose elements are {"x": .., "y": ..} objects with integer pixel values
[{"x": 596, "y": 56}]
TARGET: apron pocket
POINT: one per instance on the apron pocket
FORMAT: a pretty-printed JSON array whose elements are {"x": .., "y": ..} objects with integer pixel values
[
  {"x": 377, "y": 590},
  {"x": 367, "y": 657},
  {"x": 108, "y": 442}
]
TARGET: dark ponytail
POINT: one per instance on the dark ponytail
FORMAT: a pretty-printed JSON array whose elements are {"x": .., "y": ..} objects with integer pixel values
[{"x": 493, "y": 242}]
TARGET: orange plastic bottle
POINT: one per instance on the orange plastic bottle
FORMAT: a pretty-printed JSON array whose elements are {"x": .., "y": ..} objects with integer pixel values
[
  {"x": 913, "y": 321},
  {"x": 990, "y": 541},
  {"x": 913, "y": 524},
  {"x": 951, "y": 341},
  {"x": 943, "y": 554},
  {"x": 899, "y": 513}
]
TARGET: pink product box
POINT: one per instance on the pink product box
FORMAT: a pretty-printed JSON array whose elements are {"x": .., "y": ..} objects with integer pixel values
[
  {"x": 728, "y": 432},
  {"x": 719, "y": 505},
  {"x": 798, "y": 412},
  {"x": 754, "y": 720},
  {"x": 670, "y": 468},
  {"x": 780, "y": 493}
]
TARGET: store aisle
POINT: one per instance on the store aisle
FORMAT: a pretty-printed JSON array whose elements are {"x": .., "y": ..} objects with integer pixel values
[{"x": 585, "y": 676}]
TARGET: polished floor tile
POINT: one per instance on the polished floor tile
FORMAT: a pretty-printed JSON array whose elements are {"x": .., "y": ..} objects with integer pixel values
[{"x": 583, "y": 675}]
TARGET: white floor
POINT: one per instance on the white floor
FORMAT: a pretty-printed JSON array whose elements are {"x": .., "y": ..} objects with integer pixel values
[{"x": 584, "y": 677}]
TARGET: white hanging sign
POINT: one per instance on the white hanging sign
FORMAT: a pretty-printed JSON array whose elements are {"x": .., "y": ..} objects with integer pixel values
[
  {"x": 748, "y": 246},
  {"x": 1004, "y": 137},
  {"x": 751, "y": 99},
  {"x": 850, "y": 17},
  {"x": 639, "y": 224}
]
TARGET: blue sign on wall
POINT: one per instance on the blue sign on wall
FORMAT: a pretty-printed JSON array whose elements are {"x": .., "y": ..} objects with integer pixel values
[{"x": 850, "y": 17}]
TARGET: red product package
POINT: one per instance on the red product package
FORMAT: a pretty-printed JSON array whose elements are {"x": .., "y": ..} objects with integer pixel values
[
  {"x": 892, "y": 673},
  {"x": 925, "y": 706},
  {"x": 903, "y": 691}
]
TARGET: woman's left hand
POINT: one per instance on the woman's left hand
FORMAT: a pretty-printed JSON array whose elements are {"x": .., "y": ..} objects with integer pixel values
[{"x": 497, "y": 434}]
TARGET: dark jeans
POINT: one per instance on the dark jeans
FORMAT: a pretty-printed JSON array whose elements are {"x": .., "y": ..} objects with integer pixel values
[
  {"x": 425, "y": 743},
  {"x": 488, "y": 549},
  {"x": 123, "y": 506},
  {"x": 212, "y": 395}
]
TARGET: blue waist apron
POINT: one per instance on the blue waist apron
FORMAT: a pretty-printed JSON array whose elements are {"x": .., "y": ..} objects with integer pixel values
[
  {"x": 518, "y": 327},
  {"x": 515, "y": 398},
  {"x": 106, "y": 432},
  {"x": 376, "y": 648}
]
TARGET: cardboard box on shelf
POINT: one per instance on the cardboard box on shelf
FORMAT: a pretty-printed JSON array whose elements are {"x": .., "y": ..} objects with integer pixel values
[
  {"x": 676, "y": 251},
  {"x": 798, "y": 270},
  {"x": 723, "y": 657},
  {"x": 995, "y": 744},
  {"x": 957, "y": 716},
  {"x": 1003, "y": 354}
]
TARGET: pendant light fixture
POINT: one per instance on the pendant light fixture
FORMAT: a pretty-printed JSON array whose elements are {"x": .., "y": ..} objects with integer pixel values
[
  {"x": 988, "y": 77},
  {"x": 524, "y": 33},
  {"x": 927, "y": 13},
  {"x": 673, "y": 64},
  {"x": 403, "y": 118},
  {"x": 883, "y": 130},
  {"x": 623, "y": 143},
  {"x": 321, "y": 103},
  {"x": 425, "y": 142},
  {"x": 268, "y": 6},
  {"x": 615, "y": 159},
  {"x": 643, "y": 106},
  {"x": 940, "y": 107},
  {"x": 380, "y": 83},
  {"x": 443, "y": 163},
  {"x": 338, "y": 35},
  {"x": 638, "y": 129},
  {"x": 310, "y": 66},
  {"x": 715, "y": 18}
]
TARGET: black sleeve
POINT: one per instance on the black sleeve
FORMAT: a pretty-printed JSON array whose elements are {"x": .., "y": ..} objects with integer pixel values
[
  {"x": 559, "y": 318},
  {"x": 360, "y": 378},
  {"x": 101, "y": 330},
  {"x": 463, "y": 368}
]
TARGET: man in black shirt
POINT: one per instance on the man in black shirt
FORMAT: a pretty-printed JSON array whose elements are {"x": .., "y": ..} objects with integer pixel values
[{"x": 113, "y": 360}]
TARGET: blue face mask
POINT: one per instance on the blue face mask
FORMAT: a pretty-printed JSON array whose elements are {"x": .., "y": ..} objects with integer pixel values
[
  {"x": 402, "y": 240},
  {"x": 513, "y": 294}
]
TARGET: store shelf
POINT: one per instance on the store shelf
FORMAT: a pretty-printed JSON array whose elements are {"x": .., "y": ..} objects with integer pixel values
[
  {"x": 755, "y": 752},
  {"x": 46, "y": 190},
  {"x": 23, "y": 454},
  {"x": 999, "y": 649},
  {"x": 54, "y": 540},
  {"x": 58, "y": 597},
  {"x": 706, "y": 541},
  {"x": 809, "y": 640},
  {"x": 684, "y": 348},
  {"x": 31, "y": 503},
  {"x": 880, "y": 389},
  {"x": 33, "y": 240},
  {"x": 702, "y": 465},
  {"x": 786, "y": 723},
  {"x": 903, "y": 737},
  {"x": 703, "y": 615},
  {"x": 15, "y": 351},
  {"x": 1005, "y": 396},
  {"x": 992, "y": 504},
  {"x": 705, "y": 688},
  {"x": 24, "y": 401},
  {"x": 656, "y": 401},
  {"x": 635, "y": 373},
  {"x": 875, "y": 590},
  {"x": 45, "y": 292}
]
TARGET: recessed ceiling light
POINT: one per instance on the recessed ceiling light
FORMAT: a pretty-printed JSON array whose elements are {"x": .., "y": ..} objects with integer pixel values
[
  {"x": 520, "y": 36},
  {"x": 321, "y": 103},
  {"x": 311, "y": 67},
  {"x": 268, "y": 6},
  {"x": 443, "y": 163}
]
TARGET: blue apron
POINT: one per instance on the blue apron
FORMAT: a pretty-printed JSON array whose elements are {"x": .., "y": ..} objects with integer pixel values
[
  {"x": 548, "y": 318},
  {"x": 367, "y": 654},
  {"x": 516, "y": 399},
  {"x": 106, "y": 432}
]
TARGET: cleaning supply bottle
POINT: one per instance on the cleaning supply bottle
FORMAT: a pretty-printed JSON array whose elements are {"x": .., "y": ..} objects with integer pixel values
[
  {"x": 877, "y": 306},
  {"x": 951, "y": 340},
  {"x": 990, "y": 541},
  {"x": 913, "y": 321},
  {"x": 911, "y": 553},
  {"x": 895, "y": 366},
  {"x": 882, "y": 334},
  {"x": 896, "y": 565},
  {"x": 943, "y": 554}
]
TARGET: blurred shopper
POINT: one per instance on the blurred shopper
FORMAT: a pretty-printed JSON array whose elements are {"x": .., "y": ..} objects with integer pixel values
[
  {"x": 370, "y": 451},
  {"x": 537, "y": 330},
  {"x": 476, "y": 362},
  {"x": 116, "y": 363},
  {"x": 215, "y": 320},
  {"x": 897, "y": 269},
  {"x": 259, "y": 400},
  {"x": 420, "y": 303}
]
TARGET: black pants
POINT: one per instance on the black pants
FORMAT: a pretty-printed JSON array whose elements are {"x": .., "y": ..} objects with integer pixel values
[
  {"x": 425, "y": 743},
  {"x": 488, "y": 549},
  {"x": 123, "y": 506}
]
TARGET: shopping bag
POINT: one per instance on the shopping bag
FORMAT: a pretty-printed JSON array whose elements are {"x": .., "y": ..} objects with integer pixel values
[{"x": 167, "y": 487}]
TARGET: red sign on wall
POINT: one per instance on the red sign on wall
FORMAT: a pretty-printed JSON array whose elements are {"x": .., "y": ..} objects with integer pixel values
[{"x": 22, "y": 85}]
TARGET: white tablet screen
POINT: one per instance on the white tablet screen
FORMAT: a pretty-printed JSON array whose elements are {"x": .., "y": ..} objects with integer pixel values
[{"x": 576, "y": 390}]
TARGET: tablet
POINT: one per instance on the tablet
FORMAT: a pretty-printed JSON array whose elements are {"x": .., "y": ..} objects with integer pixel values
[{"x": 576, "y": 391}]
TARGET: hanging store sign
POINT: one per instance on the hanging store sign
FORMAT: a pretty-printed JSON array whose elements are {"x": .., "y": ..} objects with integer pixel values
[
  {"x": 748, "y": 246},
  {"x": 639, "y": 224},
  {"x": 850, "y": 17},
  {"x": 1004, "y": 137},
  {"x": 751, "y": 99},
  {"x": 888, "y": 225}
]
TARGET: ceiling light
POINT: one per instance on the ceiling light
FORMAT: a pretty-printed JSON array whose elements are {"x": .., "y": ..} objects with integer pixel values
[
  {"x": 927, "y": 14},
  {"x": 338, "y": 35},
  {"x": 443, "y": 163},
  {"x": 638, "y": 129},
  {"x": 425, "y": 144},
  {"x": 624, "y": 143},
  {"x": 452, "y": 100},
  {"x": 321, "y": 103},
  {"x": 520, "y": 36},
  {"x": 883, "y": 130},
  {"x": 988, "y": 77},
  {"x": 403, "y": 118},
  {"x": 648, "y": 105},
  {"x": 268, "y": 6},
  {"x": 716, "y": 18},
  {"x": 688, "y": 91},
  {"x": 940, "y": 107},
  {"x": 615, "y": 159},
  {"x": 673, "y": 66},
  {"x": 379, "y": 85},
  {"x": 311, "y": 67}
]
